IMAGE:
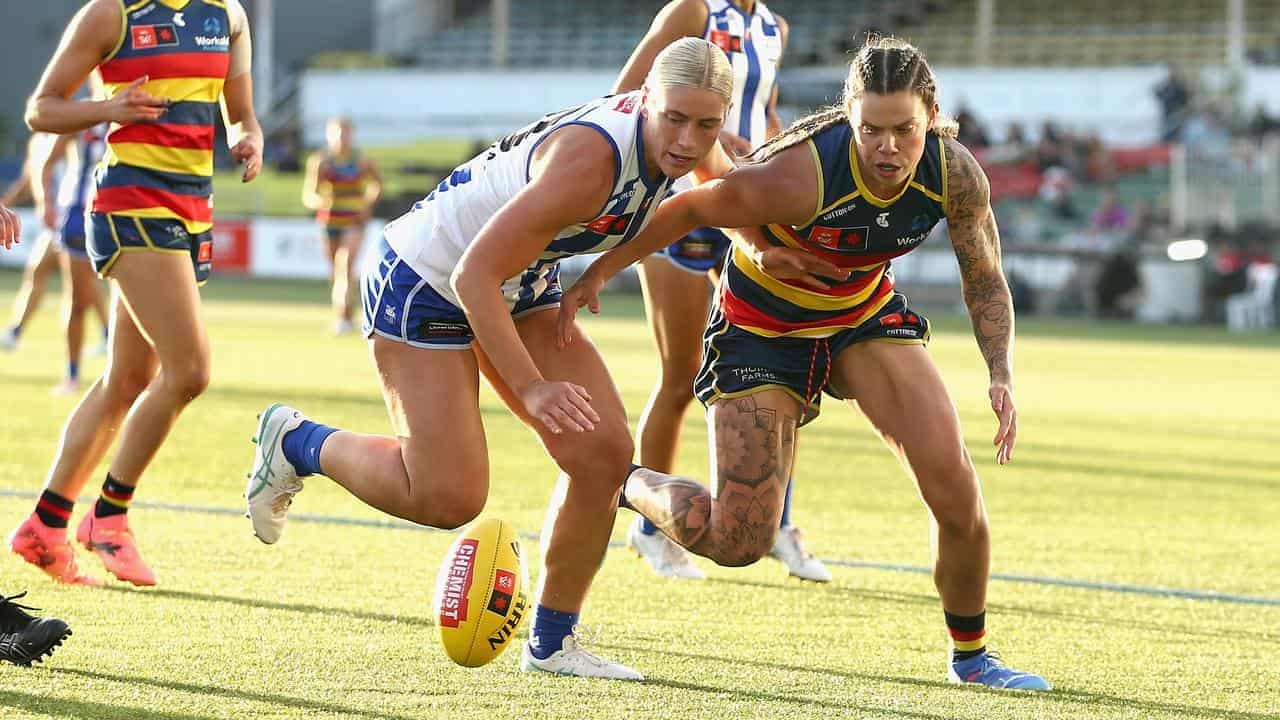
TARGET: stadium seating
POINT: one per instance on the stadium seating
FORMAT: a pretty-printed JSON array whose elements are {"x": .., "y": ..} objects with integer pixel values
[{"x": 601, "y": 33}]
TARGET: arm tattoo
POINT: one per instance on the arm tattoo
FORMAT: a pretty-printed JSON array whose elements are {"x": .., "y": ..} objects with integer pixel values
[
  {"x": 976, "y": 240},
  {"x": 734, "y": 523}
]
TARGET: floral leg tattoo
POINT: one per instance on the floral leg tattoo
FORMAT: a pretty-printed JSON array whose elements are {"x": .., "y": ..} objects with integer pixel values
[{"x": 734, "y": 523}]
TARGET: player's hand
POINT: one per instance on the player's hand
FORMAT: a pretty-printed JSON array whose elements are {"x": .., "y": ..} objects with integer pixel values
[
  {"x": 1002, "y": 404},
  {"x": 248, "y": 152},
  {"x": 560, "y": 406},
  {"x": 132, "y": 104},
  {"x": 586, "y": 291},
  {"x": 787, "y": 263},
  {"x": 734, "y": 144},
  {"x": 10, "y": 228}
]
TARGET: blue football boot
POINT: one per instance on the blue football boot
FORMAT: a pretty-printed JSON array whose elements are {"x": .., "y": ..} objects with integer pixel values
[{"x": 988, "y": 669}]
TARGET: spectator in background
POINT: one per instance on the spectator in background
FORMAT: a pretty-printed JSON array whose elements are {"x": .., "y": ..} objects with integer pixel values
[
  {"x": 1098, "y": 166},
  {"x": 972, "y": 135},
  {"x": 1110, "y": 216},
  {"x": 1262, "y": 124},
  {"x": 1174, "y": 97},
  {"x": 1056, "y": 188}
]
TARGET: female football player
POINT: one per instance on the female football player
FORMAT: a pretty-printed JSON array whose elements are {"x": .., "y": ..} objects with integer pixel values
[
  {"x": 675, "y": 279},
  {"x": 166, "y": 72},
  {"x": 852, "y": 187},
  {"x": 341, "y": 186},
  {"x": 478, "y": 259}
]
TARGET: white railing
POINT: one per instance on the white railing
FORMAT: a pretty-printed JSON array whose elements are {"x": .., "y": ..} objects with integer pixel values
[{"x": 1231, "y": 186}]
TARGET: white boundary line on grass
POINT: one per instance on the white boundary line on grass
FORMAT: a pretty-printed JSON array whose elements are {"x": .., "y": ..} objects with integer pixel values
[{"x": 1149, "y": 590}]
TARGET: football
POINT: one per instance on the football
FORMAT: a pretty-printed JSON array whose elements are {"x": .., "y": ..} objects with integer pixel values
[{"x": 480, "y": 597}]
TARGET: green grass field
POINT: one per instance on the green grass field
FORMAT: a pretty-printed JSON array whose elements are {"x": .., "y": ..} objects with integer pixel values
[{"x": 1147, "y": 456}]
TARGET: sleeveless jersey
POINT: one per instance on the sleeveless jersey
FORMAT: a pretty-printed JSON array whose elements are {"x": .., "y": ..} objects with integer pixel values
[
  {"x": 76, "y": 191},
  {"x": 753, "y": 44},
  {"x": 851, "y": 228},
  {"x": 164, "y": 169},
  {"x": 346, "y": 185},
  {"x": 432, "y": 236}
]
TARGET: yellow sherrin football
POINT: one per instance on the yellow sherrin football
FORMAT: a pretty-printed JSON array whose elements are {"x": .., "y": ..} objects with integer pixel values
[{"x": 480, "y": 596}]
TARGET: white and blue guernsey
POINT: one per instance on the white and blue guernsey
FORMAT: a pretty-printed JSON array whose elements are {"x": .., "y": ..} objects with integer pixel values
[{"x": 408, "y": 297}]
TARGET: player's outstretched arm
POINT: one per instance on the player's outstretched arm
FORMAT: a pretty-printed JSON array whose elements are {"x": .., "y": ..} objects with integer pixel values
[
  {"x": 976, "y": 240},
  {"x": 571, "y": 174},
  {"x": 783, "y": 189}
]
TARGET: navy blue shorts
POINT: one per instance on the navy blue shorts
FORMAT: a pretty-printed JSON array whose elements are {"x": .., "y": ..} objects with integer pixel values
[
  {"x": 699, "y": 251},
  {"x": 71, "y": 236},
  {"x": 736, "y": 362},
  {"x": 111, "y": 234},
  {"x": 400, "y": 305}
]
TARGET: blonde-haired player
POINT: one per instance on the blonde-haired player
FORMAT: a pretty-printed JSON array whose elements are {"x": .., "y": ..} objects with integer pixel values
[{"x": 477, "y": 260}]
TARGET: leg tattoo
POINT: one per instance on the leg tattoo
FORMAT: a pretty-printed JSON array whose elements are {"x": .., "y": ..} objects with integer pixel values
[{"x": 735, "y": 523}]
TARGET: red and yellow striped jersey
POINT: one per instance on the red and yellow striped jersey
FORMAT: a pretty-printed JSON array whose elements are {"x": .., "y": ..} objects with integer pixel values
[
  {"x": 342, "y": 185},
  {"x": 164, "y": 169},
  {"x": 851, "y": 228}
]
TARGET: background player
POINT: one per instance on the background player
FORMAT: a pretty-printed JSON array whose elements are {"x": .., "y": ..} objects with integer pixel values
[
  {"x": 479, "y": 258},
  {"x": 342, "y": 186},
  {"x": 54, "y": 162},
  {"x": 166, "y": 70},
  {"x": 841, "y": 193},
  {"x": 674, "y": 280}
]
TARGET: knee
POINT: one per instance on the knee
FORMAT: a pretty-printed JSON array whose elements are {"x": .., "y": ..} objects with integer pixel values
[
  {"x": 602, "y": 461},
  {"x": 452, "y": 508},
  {"x": 124, "y": 385},
  {"x": 956, "y": 503},
  {"x": 189, "y": 379},
  {"x": 744, "y": 553},
  {"x": 676, "y": 384}
]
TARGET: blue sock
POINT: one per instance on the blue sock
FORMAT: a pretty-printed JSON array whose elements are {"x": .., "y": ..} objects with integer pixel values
[
  {"x": 786, "y": 506},
  {"x": 73, "y": 370},
  {"x": 16, "y": 331},
  {"x": 302, "y": 446},
  {"x": 548, "y": 631}
]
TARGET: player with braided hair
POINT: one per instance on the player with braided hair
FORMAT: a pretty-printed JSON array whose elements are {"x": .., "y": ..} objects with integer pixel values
[{"x": 807, "y": 305}]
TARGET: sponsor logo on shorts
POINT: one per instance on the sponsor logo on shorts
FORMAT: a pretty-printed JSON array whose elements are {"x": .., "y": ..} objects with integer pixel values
[
  {"x": 453, "y": 600},
  {"x": 205, "y": 253},
  {"x": 903, "y": 332},
  {"x": 444, "y": 329},
  {"x": 755, "y": 375}
]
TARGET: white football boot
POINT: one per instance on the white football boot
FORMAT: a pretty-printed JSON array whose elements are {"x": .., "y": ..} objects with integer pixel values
[
  {"x": 663, "y": 555},
  {"x": 573, "y": 659},
  {"x": 274, "y": 481},
  {"x": 8, "y": 340},
  {"x": 788, "y": 548}
]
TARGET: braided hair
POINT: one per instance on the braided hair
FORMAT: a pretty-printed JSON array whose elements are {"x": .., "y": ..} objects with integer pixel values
[{"x": 885, "y": 65}]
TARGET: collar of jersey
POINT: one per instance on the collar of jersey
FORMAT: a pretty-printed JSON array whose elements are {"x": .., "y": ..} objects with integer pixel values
[{"x": 862, "y": 187}]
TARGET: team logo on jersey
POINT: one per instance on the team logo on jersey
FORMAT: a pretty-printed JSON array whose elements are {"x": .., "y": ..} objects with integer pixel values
[
  {"x": 626, "y": 104},
  {"x": 920, "y": 224},
  {"x": 143, "y": 37},
  {"x": 726, "y": 41},
  {"x": 883, "y": 219},
  {"x": 610, "y": 224},
  {"x": 212, "y": 26},
  {"x": 839, "y": 239}
]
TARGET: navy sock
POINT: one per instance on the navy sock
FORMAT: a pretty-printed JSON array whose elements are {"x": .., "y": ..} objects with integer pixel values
[
  {"x": 53, "y": 509},
  {"x": 115, "y": 498},
  {"x": 16, "y": 331},
  {"x": 73, "y": 370},
  {"x": 786, "y": 506},
  {"x": 302, "y": 445},
  {"x": 549, "y": 630}
]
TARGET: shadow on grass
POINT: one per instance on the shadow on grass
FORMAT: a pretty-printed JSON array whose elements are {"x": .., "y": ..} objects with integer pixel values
[
  {"x": 325, "y": 610},
  {"x": 62, "y": 707},
  {"x": 997, "y": 609},
  {"x": 1059, "y": 695},
  {"x": 220, "y": 691}
]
